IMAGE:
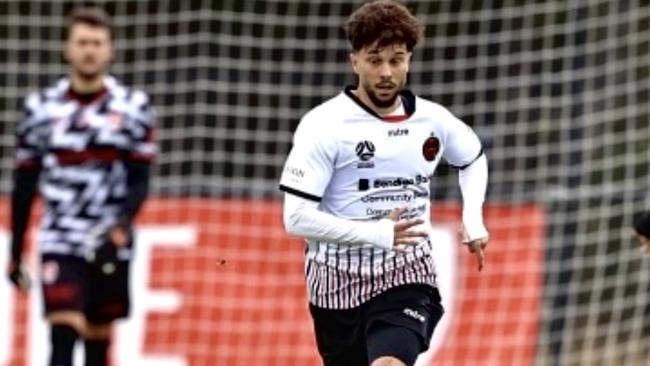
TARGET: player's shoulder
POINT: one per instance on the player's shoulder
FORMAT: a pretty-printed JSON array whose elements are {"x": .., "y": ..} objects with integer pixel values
[
  {"x": 326, "y": 115},
  {"x": 37, "y": 98},
  {"x": 433, "y": 110},
  {"x": 38, "y": 103},
  {"x": 126, "y": 94}
]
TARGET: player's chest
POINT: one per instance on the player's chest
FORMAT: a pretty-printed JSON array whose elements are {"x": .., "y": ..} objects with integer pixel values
[
  {"x": 77, "y": 126},
  {"x": 390, "y": 147}
]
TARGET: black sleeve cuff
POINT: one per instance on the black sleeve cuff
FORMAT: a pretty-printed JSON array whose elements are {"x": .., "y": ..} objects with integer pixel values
[
  {"x": 480, "y": 153},
  {"x": 301, "y": 194}
]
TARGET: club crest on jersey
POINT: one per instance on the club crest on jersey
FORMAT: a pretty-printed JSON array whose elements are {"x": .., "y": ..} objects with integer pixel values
[
  {"x": 366, "y": 152},
  {"x": 115, "y": 120},
  {"x": 50, "y": 272},
  {"x": 430, "y": 148}
]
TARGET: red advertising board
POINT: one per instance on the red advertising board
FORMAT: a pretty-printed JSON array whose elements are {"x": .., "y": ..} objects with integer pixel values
[{"x": 218, "y": 282}]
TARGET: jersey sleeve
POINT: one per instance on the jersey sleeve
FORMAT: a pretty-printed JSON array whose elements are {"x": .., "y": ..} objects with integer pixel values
[
  {"x": 462, "y": 145},
  {"x": 310, "y": 164},
  {"x": 142, "y": 129},
  {"x": 30, "y": 136}
]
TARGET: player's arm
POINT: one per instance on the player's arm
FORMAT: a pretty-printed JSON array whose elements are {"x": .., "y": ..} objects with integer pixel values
[
  {"x": 303, "y": 218},
  {"x": 464, "y": 151},
  {"x": 642, "y": 229},
  {"x": 138, "y": 166},
  {"x": 473, "y": 185},
  {"x": 25, "y": 182}
]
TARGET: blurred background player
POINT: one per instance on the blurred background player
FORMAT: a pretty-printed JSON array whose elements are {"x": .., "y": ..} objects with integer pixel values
[
  {"x": 87, "y": 144},
  {"x": 357, "y": 187}
]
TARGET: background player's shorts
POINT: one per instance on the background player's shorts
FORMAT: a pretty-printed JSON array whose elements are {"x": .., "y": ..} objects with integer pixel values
[
  {"x": 397, "y": 323},
  {"x": 98, "y": 288}
]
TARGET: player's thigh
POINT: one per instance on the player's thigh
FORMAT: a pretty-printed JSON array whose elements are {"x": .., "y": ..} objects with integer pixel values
[
  {"x": 108, "y": 295},
  {"x": 63, "y": 284},
  {"x": 387, "y": 361},
  {"x": 391, "y": 345},
  {"x": 340, "y": 336},
  {"x": 401, "y": 322}
]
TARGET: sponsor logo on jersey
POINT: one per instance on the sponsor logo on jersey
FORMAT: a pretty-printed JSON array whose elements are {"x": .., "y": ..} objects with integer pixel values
[
  {"x": 296, "y": 172},
  {"x": 430, "y": 148},
  {"x": 400, "y": 181},
  {"x": 366, "y": 152}
]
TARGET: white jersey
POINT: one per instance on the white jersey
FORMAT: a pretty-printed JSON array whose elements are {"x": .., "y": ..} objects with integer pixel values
[{"x": 360, "y": 166}]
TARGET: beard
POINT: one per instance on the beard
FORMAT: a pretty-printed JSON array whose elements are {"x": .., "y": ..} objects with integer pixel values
[
  {"x": 382, "y": 103},
  {"x": 87, "y": 72}
]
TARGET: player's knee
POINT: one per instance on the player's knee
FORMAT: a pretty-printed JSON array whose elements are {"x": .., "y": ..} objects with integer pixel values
[
  {"x": 387, "y": 361},
  {"x": 98, "y": 331},
  {"x": 73, "y": 319}
]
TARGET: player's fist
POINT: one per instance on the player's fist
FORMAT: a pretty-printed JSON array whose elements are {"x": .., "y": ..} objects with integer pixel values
[
  {"x": 402, "y": 233},
  {"x": 119, "y": 236},
  {"x": 644, "y": 242},
  {"x": 19, "y": 276}
]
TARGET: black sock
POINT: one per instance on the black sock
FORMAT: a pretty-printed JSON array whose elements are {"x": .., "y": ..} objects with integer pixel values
[
  {"x": 62, "y": 338},
  {"x": 96, "y": 352}
]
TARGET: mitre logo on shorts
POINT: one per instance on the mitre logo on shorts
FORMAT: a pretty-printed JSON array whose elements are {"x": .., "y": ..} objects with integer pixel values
[
  {"x": 430, "y": 148},
  {"x": 414, "y": 314},
  {"x": 365, "y": 151},
  {"x": 49, "y": 272}
]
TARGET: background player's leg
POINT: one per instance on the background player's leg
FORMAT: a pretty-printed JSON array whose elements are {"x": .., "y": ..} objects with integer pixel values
[
  {"x": 97, "y": 343},
  {"x": 65, "y": 327},
  {"x": 62, "y": 278}
]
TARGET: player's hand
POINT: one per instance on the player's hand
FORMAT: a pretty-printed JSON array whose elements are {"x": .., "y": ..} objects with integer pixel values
[
  {"x": 476, "y": 247},
  {"x": 19, "y": 276},
  {"x": 644, "y": 242},
  {"x": 119, "y": 236},
  {"x": 402, "y": 234}
]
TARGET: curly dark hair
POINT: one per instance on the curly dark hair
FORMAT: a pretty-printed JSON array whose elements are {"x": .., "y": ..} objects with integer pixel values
[{"x": 385, "y": 22}]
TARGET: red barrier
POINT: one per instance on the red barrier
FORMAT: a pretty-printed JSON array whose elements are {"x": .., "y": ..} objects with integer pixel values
[{"x": 242, "y": 295}]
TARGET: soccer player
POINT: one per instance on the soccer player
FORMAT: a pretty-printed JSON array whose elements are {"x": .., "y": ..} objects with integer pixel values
[
  {"x": 85, "y": 144},
  {"x": 357, "y": 188},
  {"x": 642, "y": 229}
]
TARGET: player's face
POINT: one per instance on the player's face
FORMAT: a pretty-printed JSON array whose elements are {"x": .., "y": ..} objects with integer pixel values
[
  {"x": 89, "y": 50},
  {"x": 382, "y": 72}
]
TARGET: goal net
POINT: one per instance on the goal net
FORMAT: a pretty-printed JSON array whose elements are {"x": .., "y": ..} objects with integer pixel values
[{"x": 557, "y": 90}]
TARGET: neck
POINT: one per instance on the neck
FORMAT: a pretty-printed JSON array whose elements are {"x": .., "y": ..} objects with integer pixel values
[
  {"x": 85, "y": 85},
  {"x": 361, "y": 93}
]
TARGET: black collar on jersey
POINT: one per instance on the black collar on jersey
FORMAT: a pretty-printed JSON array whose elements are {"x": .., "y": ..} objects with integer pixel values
[
  {"x": 408, "y": 101},
  {"x": 85, "y": 98}
]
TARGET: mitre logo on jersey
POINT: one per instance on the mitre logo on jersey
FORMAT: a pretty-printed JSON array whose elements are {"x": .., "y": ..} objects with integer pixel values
[
  {"x": 365, "y": 151},
  {"x": 430, "y": 148},
  {"x": 398, "y": 132}
]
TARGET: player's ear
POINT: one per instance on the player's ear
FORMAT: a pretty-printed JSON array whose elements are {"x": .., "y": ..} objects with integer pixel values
[
  {"x": 66, "y": 50},
  {"x": 354, "y": 58},
  {"x": 408, "y": 60}
]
